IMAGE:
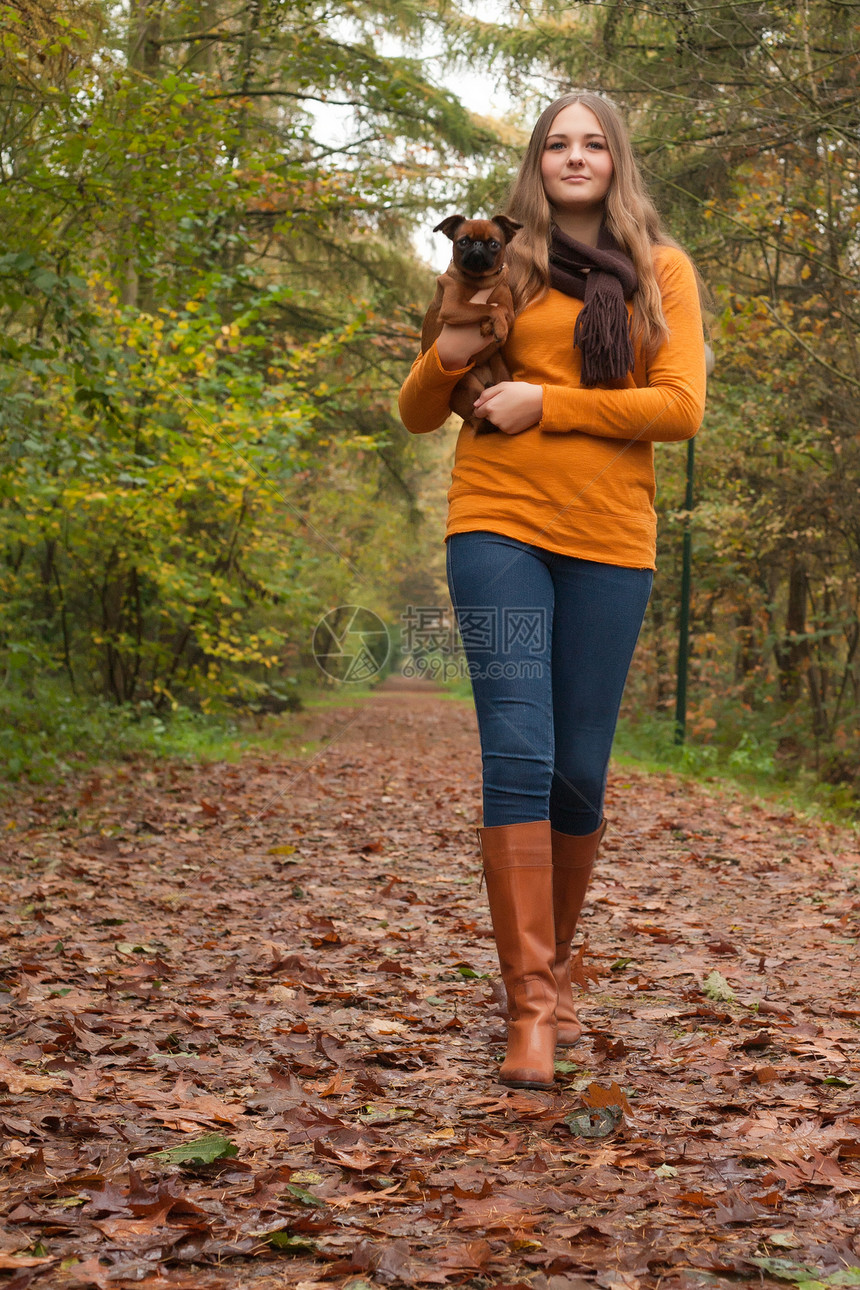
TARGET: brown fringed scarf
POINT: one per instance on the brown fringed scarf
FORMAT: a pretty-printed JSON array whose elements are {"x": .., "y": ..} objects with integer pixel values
[{"x": 602, "y": 329}]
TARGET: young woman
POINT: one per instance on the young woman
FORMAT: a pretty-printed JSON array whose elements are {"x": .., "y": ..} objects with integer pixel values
[{"x": 551, "y": 530}]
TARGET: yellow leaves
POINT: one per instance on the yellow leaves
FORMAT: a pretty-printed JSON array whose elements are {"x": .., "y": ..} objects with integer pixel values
[{"x": 192, "y": 469}]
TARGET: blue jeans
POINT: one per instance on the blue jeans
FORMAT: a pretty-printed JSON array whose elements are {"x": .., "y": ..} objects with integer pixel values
[{"x": 548, "y": 641}]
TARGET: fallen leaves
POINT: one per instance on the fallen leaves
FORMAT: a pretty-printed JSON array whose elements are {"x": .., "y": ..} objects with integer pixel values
[
  {"x": 716, "y": 987},
  {"x": 597, "y": 1122},
  {"x": 14, "y": 1262},
  {"x": 18, "y": 1080},
  {"x": 264, "y": 1051}
]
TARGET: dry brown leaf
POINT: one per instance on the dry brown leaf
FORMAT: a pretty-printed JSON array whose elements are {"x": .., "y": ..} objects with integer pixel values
[
  {"x": 18, "y": 1080},
  {"x": 385, "y": 1026},
  {"x": 12, "y": 1262}
]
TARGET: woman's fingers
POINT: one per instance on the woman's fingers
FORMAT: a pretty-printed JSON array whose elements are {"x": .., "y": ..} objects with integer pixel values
[
  {"x": 512, "y": 406},
  {"x": 486, "y": 396}
]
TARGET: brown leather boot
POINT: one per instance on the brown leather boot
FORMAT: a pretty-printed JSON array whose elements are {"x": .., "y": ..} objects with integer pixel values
[
  {"x": 572, "y": 862},
  {"x": 518, "y": 869}
]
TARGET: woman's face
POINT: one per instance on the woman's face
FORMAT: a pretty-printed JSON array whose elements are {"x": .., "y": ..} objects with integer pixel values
[{"x": 576, "y": 167}]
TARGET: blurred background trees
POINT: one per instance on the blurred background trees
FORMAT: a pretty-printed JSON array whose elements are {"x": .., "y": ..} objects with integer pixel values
[
  {"x": 205, "y": 303},
  {"x": 209, "y": 292}
]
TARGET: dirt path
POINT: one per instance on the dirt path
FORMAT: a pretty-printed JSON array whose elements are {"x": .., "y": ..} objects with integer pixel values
[{"x": 293, "y": 957}]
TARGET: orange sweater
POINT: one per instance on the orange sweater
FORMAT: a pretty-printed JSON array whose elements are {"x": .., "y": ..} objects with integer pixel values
[{"x": 581, "y": 481}]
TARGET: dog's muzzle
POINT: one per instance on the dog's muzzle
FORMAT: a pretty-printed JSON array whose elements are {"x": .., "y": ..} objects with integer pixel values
[{"x": 478, "y": 257}]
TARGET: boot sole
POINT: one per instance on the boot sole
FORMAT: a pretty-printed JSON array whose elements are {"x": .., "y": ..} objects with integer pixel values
[{"x": 527, "y": 1083}]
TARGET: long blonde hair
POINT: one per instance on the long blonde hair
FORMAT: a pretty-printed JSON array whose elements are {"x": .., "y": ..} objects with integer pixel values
[{"x": 631, "y": 218}]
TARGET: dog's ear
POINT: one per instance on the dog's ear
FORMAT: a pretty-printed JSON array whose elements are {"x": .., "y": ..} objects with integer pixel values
[
  {"x": 450, "y": 225},
  {"x": 509, "y": 227}
]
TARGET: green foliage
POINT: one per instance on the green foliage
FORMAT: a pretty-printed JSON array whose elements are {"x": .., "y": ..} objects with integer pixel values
[
  {"x": 200, "y": 1151},
  {"x": 302, "y": 1195},
  {"x": 141, "y": 504},
  {"x": 201, "y": 336},
  {"x": 806, "y": 1277},
  {"x": 284, "y": 1240},
  {"x": 750, "y": 759}
]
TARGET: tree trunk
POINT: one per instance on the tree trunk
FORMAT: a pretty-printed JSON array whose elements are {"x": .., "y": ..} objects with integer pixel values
[{"x": 791, "y": 651}]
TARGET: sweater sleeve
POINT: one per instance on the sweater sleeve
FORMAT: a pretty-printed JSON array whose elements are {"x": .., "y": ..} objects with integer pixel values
[
  {"x": 671, "y": 405},
  {"x": 425, "y": 393}
]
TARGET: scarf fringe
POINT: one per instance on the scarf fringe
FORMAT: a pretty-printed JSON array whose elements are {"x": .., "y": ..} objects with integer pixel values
[{"x": 602, "y": 333}]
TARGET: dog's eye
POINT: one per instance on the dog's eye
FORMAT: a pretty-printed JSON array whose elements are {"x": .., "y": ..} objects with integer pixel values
[
  {"x": 463, "y": 242},
  {"x": 494, "y": 245}
]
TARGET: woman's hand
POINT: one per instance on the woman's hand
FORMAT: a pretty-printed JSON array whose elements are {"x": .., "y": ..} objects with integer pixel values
[
  {"x": 512, "y": 406},
  {"x": 456, "y": 345}
]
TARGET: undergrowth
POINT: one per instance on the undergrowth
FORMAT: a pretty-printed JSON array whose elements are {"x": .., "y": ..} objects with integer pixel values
[
  {"x": 739, "y": 754},
  {"x": 46, "y": 734},
  {"x": 746, "y": 758},
  {"x": 49, "y": 733}
]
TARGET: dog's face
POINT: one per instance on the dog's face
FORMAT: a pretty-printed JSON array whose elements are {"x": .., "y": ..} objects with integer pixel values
[{"x": 479, "y": 244}]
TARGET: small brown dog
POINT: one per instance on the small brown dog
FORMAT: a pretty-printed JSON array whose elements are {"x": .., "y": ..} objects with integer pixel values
[{"x": 478, "y": 264}]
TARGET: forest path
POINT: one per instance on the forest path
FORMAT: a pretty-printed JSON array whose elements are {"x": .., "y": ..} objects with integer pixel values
[{"x": 294, "y": 954}]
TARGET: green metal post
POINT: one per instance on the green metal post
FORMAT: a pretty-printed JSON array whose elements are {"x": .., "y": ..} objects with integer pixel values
[{"x": 684, "y": 617}]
